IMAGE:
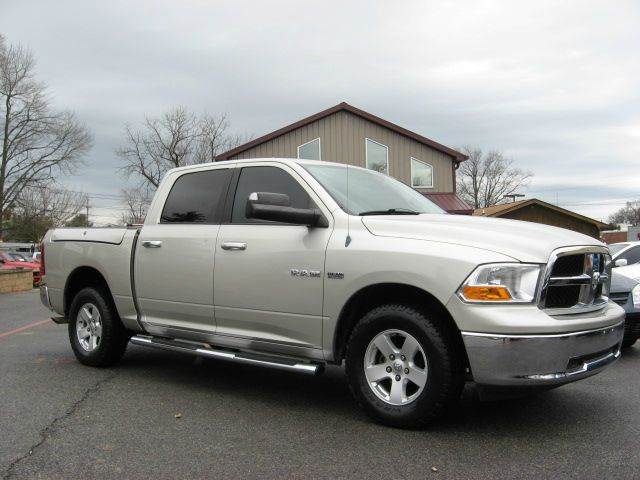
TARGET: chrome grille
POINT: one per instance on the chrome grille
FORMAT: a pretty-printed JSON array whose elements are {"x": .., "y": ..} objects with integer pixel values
[{"x": 576, "y": 280}]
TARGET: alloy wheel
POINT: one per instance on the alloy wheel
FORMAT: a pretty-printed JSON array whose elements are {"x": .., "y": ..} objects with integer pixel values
[
  {"x": 89, "y": 327},
  {"x": 395, "y": 367}
]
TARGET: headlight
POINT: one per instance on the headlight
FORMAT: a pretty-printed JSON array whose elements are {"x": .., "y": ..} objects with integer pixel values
[
  {"x": 635, "y": 295},
  {"x": 501, "y": 282}
]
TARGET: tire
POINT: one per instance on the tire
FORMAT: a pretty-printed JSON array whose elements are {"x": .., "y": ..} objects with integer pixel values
[
  {"x": 442, "y": 362},
  {"x": 629, "y": 341},
  {"x": 111, "y": 338}
]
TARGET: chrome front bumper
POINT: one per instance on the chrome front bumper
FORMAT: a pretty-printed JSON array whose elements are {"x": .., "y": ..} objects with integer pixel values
[{"x": 541, "y": 360}]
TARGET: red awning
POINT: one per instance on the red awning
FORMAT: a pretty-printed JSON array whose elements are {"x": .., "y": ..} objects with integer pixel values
[{"x": 450, "y": 202}]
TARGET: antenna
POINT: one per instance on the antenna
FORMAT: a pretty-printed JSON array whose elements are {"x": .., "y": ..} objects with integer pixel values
[
  {"x": 347, "y": 240},
  {"x": 513, "y": 196}
]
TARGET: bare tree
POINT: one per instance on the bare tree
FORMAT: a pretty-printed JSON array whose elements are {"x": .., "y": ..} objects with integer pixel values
[
  {"x": 56, "y": 203},
  {"x": 37, "y": 142},
  {"x": 175, "y": 139},
  {"x": 39, "y": 208},
  {"x": 213, "y": 138},
  {"x": 629, "y": 214},
  {"x": 484, "y": 179},
  {"x": 136, "y": 203}
]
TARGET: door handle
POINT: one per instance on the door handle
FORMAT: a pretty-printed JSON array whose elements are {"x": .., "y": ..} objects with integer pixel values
[
  {"x": 152, "y": 243},
  {"x": 233, "y": 246}
]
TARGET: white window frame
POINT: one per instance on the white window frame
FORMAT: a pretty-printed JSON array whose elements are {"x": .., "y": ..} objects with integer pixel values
[
  {"x": 311, "y": 141},
  {"x": 411, "y": 159},
  {"x": 366, "y": 153}
]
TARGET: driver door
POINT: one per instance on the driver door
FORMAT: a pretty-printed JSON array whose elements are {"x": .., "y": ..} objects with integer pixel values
[{"x": 268, "y": 278}]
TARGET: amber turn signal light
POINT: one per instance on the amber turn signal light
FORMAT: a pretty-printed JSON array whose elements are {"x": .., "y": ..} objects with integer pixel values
[{"x": 486, "y": 293}]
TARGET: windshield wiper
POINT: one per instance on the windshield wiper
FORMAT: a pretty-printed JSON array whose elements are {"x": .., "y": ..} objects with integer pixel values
[{"x": 391, "y": 211}]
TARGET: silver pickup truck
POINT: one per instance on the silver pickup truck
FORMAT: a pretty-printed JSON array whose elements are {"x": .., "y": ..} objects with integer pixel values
[{"x": 296, "y": 264}]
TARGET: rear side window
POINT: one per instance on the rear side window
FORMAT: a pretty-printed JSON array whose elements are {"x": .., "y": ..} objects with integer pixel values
[
  {"x": 266, "y": 179},
  {"x": 197, "y": 197}
]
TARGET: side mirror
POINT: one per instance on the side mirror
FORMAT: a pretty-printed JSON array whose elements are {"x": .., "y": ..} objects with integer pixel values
[
  {"x": 275, "y": 207},
  {"x": 621, "y": 262}
]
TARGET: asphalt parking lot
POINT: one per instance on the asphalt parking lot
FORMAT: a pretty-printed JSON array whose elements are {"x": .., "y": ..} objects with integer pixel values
[{"x": 60, "y": 419}]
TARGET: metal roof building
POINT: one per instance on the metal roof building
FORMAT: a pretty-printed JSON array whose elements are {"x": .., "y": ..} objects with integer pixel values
[{"x": 346, "y": 134}]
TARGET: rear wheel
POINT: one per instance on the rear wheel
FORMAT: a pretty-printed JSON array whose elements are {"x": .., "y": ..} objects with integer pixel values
[
  {"x": 97, "y": 336},
  {"x": 403, "y": 366}
]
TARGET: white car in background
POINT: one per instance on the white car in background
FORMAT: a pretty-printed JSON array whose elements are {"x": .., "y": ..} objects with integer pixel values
[
  {"x": 625, "y": 291},
  {"x": 625, "y": 253}
]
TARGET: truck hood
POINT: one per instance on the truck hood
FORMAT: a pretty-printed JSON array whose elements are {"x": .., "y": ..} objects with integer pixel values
[{"x": 523, "y": 241}]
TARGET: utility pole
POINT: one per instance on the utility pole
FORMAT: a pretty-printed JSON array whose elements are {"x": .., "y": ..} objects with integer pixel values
[
  {"x": 513, "y": 196},
  {"x": 87, "y": 214}
]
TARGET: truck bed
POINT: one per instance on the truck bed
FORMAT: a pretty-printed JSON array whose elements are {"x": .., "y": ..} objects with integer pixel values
[{"x": 71, "y": 251}]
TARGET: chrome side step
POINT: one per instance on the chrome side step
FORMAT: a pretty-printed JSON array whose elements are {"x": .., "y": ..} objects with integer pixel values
[{"x": 238, "y": 357}]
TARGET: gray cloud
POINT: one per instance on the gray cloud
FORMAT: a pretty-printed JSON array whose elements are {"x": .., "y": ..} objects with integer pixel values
[{"x": 554, "y": 85}]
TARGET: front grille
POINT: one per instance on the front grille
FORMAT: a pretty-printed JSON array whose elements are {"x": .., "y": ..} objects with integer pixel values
[
  {"x": 576, "y": 279},
  {"x": 562, "y": 297},
  {"x": 569, "y": 265}
]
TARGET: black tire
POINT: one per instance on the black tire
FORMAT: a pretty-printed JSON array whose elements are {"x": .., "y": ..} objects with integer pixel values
[
  {"x": 629, "y": 341},
  {"x": 114, "y": 338},
  {"x": 443, "y": 354}
]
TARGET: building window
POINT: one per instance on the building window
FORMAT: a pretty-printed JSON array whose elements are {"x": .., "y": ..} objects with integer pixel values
[
  {"x": 377, "y": 156},
  {"x": 421, "y": 174},
  {"x": 310, "y": 150}
]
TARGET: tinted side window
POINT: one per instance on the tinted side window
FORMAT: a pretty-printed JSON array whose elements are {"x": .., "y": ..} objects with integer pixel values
[
  {"x": 632, "y": 255},
  {"x": 266, "y": 179},
  {"x": 196, "y": 197}
]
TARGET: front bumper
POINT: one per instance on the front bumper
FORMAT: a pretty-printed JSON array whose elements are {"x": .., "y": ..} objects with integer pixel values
[{"x": 542, "y": 359}]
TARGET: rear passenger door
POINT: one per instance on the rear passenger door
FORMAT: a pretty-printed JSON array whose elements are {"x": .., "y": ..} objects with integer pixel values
[
  {"x": 175, "y": 256},
  {"x": 269, "y": 276}
]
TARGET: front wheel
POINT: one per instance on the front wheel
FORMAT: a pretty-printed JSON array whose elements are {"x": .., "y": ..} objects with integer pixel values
[
  {"x": 97, "y": 336},
  {"x": 403, "y": 366}
]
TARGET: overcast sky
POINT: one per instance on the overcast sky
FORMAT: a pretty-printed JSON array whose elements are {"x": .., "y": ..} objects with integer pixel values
[{"x": 555, "y": 85}]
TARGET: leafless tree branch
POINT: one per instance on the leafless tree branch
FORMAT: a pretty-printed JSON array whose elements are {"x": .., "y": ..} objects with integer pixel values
[
  {"x": 37, "y": 142},
  {"x": 136, "y": 202},
  {"x": 627, "y": 215},
  {"x": 484, "y": 179},
  {"x": 175, "y": 139}
]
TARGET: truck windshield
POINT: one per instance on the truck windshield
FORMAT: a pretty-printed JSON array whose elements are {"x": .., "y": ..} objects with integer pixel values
[{"x": 370, "y": 193}]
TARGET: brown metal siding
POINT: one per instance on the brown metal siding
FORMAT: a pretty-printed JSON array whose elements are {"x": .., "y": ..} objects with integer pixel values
[
  {"x": 538, "y": 214},
  {"x": 342, "y": 136}
]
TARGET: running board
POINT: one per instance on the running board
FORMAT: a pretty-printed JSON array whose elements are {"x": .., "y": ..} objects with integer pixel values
[{"x": 238, "y": 357}]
